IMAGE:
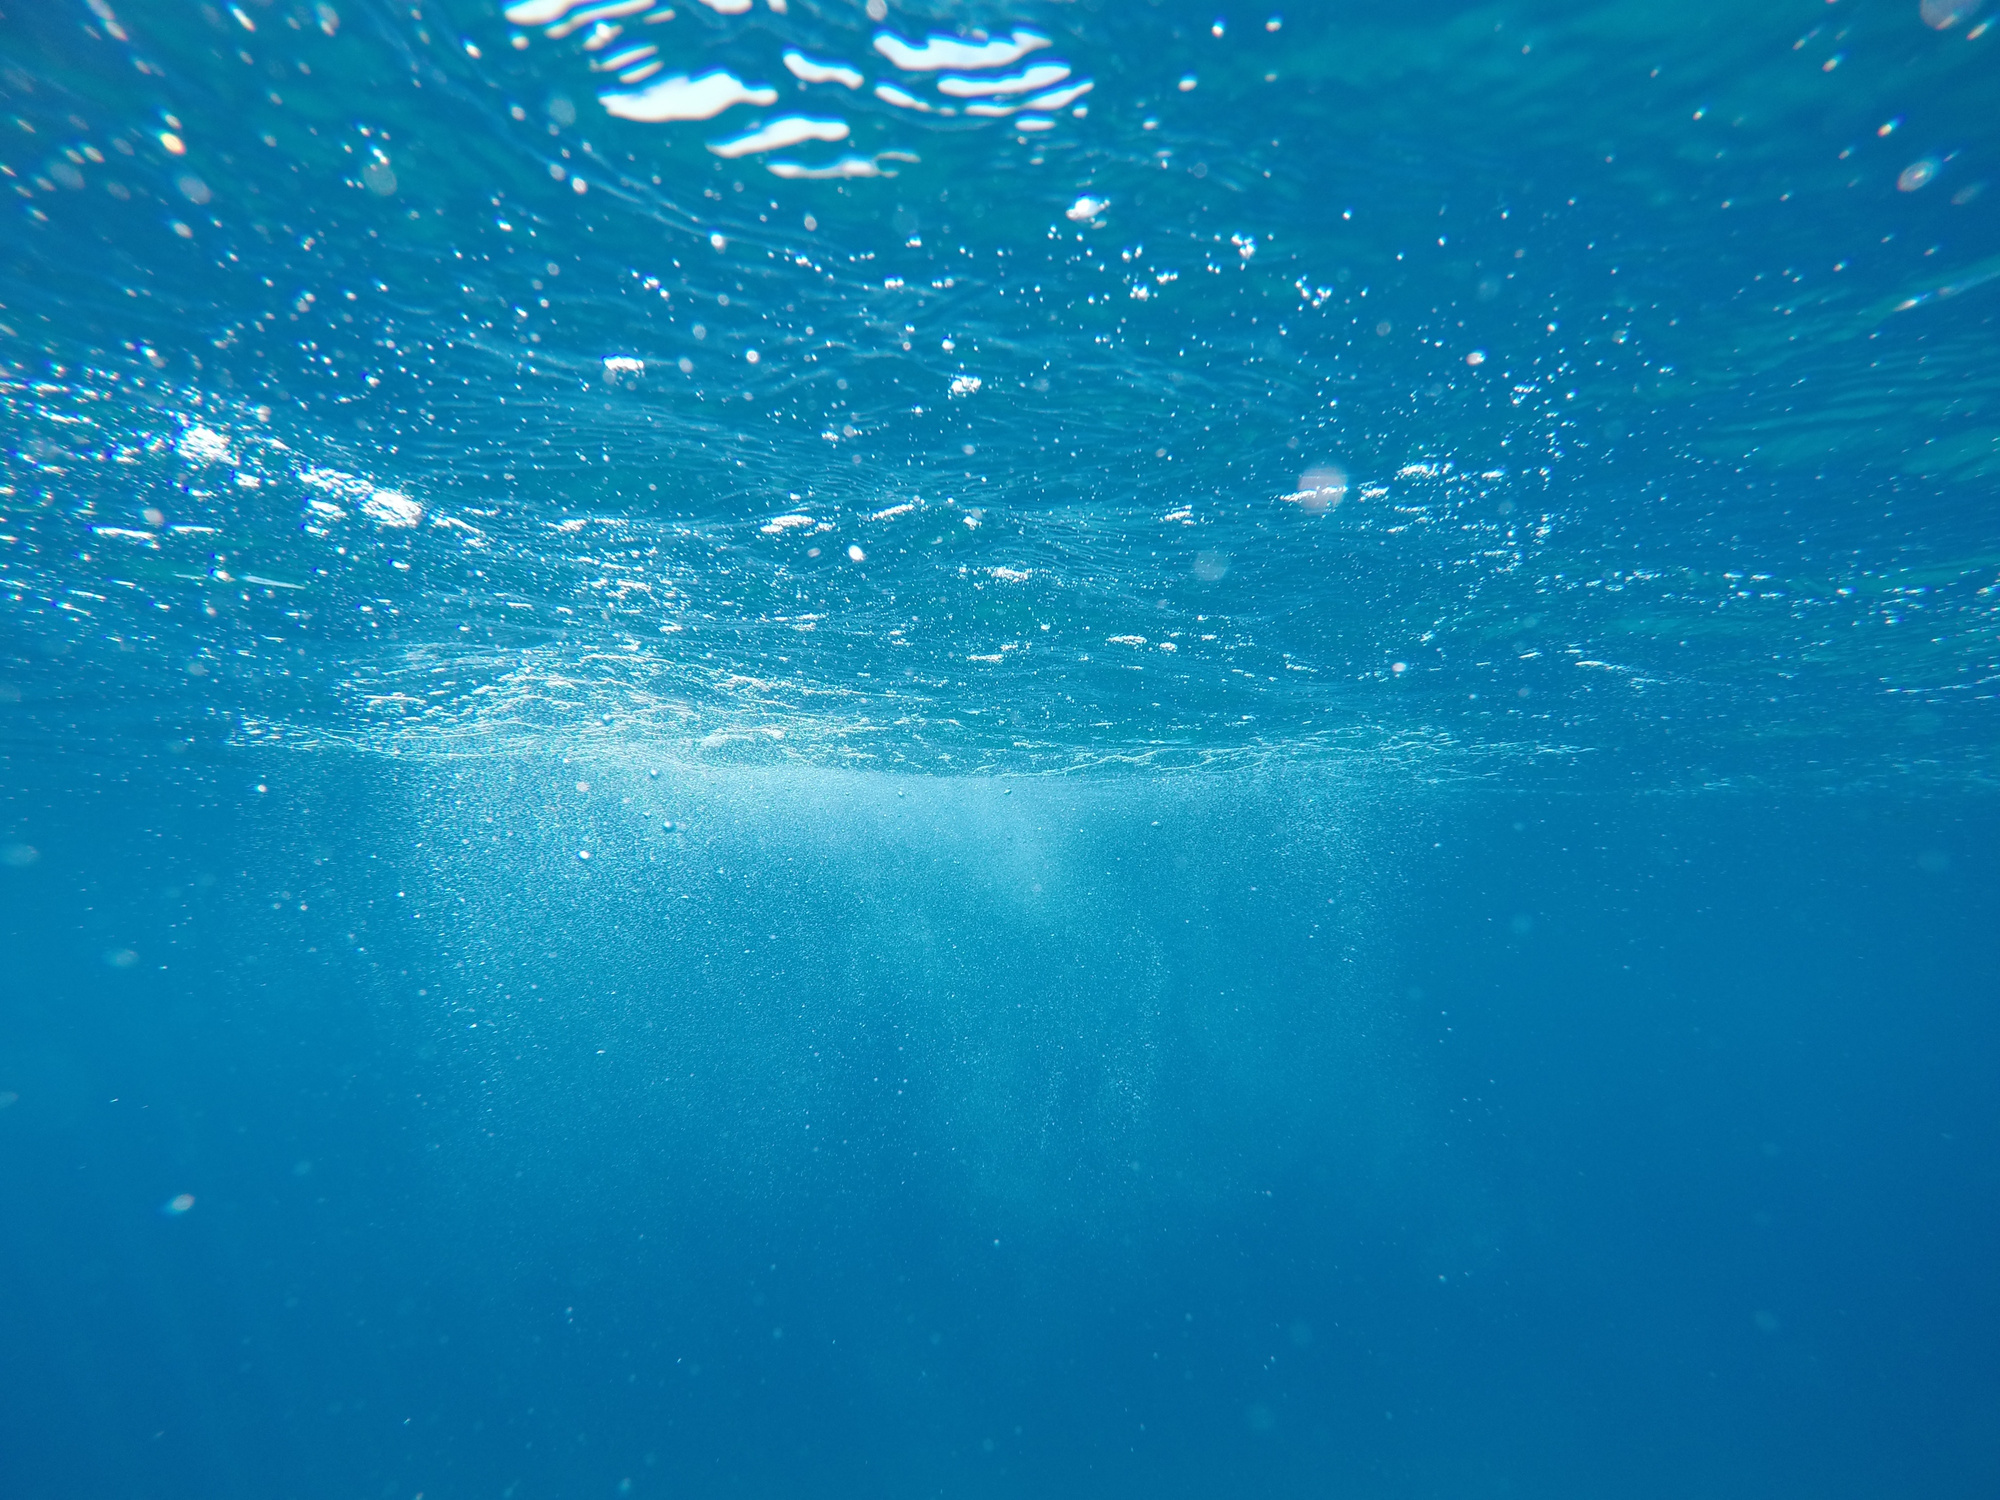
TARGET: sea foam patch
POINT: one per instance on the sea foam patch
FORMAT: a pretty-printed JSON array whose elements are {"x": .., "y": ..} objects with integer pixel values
[
  {"x": 684, "y": 98},
  {"x": 789, "y": 131},
  {"x": 936, "y": 53}
]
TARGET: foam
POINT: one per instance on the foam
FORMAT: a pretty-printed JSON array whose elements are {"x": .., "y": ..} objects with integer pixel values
[
  {"x": 935, "y": 53},
  {"x": 808, "y": 71},
  {"x": 625, "y": 57},
  {"x": 609, "y": 11},
  {"x": 1045, "y": 76},
  {"x": 392, "y": 508},
  {"x": 847, "y": 166},
  {"x": 1060, "y": 97},
  {"x": 789, "y": 131},
  {"x": 684, "y": 98},
  {"x": 888, "y": 93},
  {"x": 541, "y": 12}
]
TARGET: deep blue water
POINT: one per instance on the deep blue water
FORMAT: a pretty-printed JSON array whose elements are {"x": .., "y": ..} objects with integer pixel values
[{"x": 1067, "y": 749}]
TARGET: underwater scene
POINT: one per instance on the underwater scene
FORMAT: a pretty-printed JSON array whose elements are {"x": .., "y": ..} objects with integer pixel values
[{"x": 1052, "y": 748}]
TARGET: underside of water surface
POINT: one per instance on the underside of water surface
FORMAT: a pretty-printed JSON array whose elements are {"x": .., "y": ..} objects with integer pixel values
[{"x": 1467, "y": 384}]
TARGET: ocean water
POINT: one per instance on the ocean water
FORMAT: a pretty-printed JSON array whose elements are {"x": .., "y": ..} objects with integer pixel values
[{"x": 795, "y": 748}]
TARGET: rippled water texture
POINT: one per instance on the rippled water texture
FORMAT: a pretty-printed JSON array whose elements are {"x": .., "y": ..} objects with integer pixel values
[{"x": 1017, "y": 387}]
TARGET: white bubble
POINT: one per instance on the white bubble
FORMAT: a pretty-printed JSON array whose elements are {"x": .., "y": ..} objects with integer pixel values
[
  {"x": 855, "y": 554},
  {"x": 177, "y": 1205}
]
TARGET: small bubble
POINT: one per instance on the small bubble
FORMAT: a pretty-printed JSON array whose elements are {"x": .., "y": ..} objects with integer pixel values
[
  {"x": 177, "y": 1205},
  {"x": 855, "y": 554},
  {"x": 1917, "y": 174},
  {"x": 1941, "y": 15}
]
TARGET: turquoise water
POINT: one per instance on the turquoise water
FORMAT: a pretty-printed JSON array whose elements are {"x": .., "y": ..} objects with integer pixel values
[{"x": 785, "y": 748}]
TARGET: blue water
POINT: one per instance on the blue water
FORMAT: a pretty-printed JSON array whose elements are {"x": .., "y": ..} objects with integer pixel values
[{"x": 1068, "y": 749}]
